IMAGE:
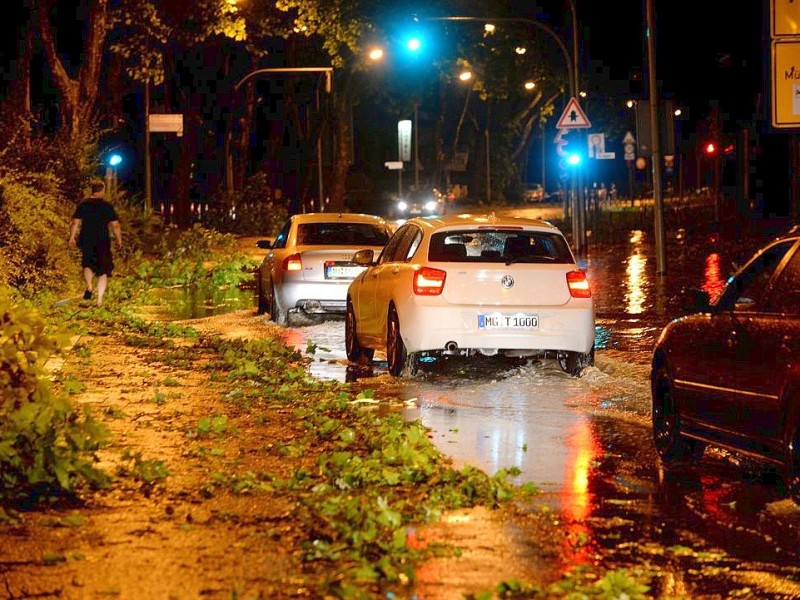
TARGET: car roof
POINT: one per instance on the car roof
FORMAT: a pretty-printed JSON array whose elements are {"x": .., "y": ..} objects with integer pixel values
[
  {"x": 325, "y": 217},
  {"x": 472, "y": 220}
]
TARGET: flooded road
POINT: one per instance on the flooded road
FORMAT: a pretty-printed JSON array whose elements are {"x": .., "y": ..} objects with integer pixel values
[{"x": 587, "y": 443}]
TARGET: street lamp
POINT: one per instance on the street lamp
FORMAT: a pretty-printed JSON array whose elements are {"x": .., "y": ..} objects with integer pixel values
[
  {"x": 328, "y": 71},
  {"x": 114, "y": 160},
  {"x": 467, "y": 76}
]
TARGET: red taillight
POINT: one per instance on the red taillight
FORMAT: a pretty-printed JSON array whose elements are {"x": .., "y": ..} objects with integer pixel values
[
  {"x": 292, "y": 263},
  {"x": 578, "y": 285},
  {"x": 429, "y": 281}
]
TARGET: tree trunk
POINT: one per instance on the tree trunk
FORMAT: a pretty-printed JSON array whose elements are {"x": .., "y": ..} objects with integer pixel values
[{"x": 78, "y": 96}]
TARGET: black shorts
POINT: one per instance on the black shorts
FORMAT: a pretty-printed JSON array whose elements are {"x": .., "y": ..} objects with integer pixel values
[{"x": 98, "y": 259}]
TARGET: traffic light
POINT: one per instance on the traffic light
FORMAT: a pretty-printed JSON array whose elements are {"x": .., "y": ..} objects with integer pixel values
[
  {"x": 413, "y": 43},
  {"x": 573, "y": 159},
  {"x": 711, "y": 149}
]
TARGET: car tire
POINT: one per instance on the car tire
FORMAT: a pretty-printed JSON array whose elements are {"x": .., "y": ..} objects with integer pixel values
[
  {"x": 355, "y": 351},
  {"x": 279, "y": 315},
  {"x": 573, "y": 363},
  {"x": 262, "y": 305},
  {"x": 670, "y": 443},
  {"x": 396, "y": 355}
]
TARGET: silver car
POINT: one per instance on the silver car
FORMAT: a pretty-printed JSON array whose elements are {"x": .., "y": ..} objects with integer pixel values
[{"x": 309, "y": 264}]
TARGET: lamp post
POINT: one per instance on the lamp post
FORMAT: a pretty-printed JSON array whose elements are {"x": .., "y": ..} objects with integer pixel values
[
  {"x": 328, "y": 71},
  {"x": 571, "y": 63}
]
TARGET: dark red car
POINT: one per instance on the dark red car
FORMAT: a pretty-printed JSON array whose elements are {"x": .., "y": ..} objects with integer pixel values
[{"x": 729, "y": 374}]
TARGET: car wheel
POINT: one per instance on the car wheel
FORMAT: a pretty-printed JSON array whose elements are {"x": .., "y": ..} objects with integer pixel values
[
  {"x": 276, "y": 313},
  {"x": 396, "y": 355},
  {"x": 355, "y": 351},
  {"x": 670, "y": 443},
  {"x": 573, "y": 363},
  {"x": 263, "y": 306}
]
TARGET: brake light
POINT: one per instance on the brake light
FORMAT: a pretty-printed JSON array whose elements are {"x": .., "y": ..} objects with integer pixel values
[
  {"x": 429, "y": 281},
  {"x": 292, "y": 263},
  {"x": 578, "y": 284}
]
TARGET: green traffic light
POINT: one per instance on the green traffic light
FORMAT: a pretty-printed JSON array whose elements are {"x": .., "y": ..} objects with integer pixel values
[{"x": 574, "y": 159}]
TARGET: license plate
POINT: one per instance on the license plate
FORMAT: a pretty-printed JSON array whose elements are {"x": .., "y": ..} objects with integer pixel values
[
  {"x": 342, "y": 271},
  {"x": 518, "y": 321}
]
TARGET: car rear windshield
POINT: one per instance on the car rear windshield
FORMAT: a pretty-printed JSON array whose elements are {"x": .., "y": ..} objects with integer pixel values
[
  {"x": 500, "y": 246},
  {"x": 341, "y": 234}
]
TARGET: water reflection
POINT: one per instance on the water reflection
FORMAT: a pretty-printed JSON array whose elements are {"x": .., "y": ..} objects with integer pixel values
[
  {"x": 636, "y": 277},
  {"x": 714, "y": 282},
  {"x": 180, "y": 303}
]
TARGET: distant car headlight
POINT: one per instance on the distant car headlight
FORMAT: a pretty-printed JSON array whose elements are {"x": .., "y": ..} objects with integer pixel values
[
  {"x": 431, "y": 205},
  {"x": 402, "y": 205}
]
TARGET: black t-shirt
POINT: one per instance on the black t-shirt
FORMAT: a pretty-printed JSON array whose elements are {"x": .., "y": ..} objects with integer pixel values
[{"x": 95, "y": 215}]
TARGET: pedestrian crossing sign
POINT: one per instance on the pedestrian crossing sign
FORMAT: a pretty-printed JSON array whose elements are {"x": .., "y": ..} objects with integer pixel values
[{"x": 573, "y": 117}]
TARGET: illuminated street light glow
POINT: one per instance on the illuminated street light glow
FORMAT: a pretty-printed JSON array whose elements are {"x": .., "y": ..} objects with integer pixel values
[
  {"x": 465, "y": 75},
  {"x": 574, "y": 159},
  {"x": 114, "y": 160},
  {"x": 630, "y": 103},
  {"x": 529, "y": 85},
  {"x": 678, "y": 112},
  {"x": 489, "y": 28},
  {"x": 413, "y": 44},
  {"x": 520, "y": 50},
  {"x": 375, "y": 54}
]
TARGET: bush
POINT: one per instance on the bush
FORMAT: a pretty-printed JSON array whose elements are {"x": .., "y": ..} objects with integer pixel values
[
  {"x": 194, "y": 257},
  {"x": 34, "y": 227},
  {"x": 46, "y": 446}
]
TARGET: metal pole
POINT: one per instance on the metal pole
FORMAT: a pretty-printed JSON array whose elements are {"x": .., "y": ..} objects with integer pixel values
[
  {"x": 321, "y": 202},
  {"x": 416, "y": 145},
  {"x": 661, "y": 255},
  {"x": 148, "y": 174},
  {"x": 488, "y": 154},
  {"x": 578, "y": 208}
]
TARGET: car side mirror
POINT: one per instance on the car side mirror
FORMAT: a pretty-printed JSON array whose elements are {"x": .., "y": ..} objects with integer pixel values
[
  {"x": 696, "y": 301},
  {"x": 265, "y": 244},
  {"x": 364, "y": 257}
]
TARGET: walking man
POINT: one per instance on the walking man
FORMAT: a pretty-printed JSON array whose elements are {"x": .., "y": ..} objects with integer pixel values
[{"x": 92, "y": 219}]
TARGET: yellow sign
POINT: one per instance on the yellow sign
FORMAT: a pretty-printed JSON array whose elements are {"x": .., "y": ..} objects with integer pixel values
[
  {"x": 784, "y": 18},
  {"x": 786, "y": 83}
]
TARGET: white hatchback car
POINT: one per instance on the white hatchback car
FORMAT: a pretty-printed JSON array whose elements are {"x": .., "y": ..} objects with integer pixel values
[
  {"x": 309, "y": 264},
  {"x": 467, "y": 284}
]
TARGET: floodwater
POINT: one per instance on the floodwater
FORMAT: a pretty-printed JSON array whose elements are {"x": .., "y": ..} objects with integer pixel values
[{"x": 721, "y": 528}]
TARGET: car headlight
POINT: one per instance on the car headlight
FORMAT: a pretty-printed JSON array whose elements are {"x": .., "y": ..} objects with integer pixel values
[
  {"x": 431, "y": 205},
  {"x": 402, "y": 205}
]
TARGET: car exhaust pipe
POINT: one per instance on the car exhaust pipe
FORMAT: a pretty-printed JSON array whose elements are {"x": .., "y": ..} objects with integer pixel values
[{"x": 451, "y": 346}]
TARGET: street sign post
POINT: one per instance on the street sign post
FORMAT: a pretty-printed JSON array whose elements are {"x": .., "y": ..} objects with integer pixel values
[
  {"x": 786, "y": 83},
  {"x": 573, "y": 117},
  {"x": 785, "y": 18}
]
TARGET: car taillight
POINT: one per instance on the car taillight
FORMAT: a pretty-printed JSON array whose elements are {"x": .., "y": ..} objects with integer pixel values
[
  {"x": 292, "y": 263},
  {"x": 429, "y": 281},
  {"x": 578, "y": 285}
]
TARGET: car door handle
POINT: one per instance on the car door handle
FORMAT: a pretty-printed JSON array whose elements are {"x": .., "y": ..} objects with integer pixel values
[{"x": 732, "y": 339}]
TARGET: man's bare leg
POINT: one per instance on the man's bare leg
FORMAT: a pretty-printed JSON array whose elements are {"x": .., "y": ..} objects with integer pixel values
[
  {"x": 88, "y": 274},
  {"x": 102, "y": 284}
]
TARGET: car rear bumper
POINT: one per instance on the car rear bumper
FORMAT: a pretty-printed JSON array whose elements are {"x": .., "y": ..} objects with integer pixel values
[
  {"x": 314, "y": 297},
  {"x": 559, "y": 328}
]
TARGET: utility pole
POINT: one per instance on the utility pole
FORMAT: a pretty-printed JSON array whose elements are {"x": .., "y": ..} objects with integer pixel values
[{"x": 661, "y": 255}]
